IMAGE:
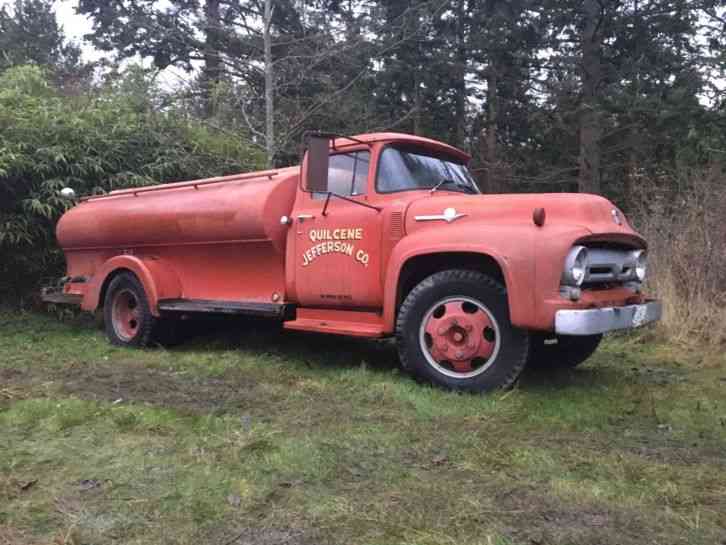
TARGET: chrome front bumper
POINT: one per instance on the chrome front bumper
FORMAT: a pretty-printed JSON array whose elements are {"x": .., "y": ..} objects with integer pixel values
[{"x": 601, "y": 320}]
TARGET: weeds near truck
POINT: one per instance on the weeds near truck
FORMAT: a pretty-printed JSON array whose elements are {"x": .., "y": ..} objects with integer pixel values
[
  {"x": 322, "y": 440},
  {"x": 687, "y": 238}
]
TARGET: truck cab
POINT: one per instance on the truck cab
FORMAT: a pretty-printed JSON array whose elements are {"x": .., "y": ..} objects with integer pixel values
[{"x": 375, "y": 235}]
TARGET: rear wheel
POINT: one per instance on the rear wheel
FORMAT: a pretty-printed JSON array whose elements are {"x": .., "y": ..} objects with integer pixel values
[
  {"x": 127, "y": 316},
  {"x": 453, "y": 329},
  {"x": 562, "y": 351}
]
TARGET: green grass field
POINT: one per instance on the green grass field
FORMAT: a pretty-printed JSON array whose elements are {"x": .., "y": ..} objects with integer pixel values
[{"x": 249, "y": 435}]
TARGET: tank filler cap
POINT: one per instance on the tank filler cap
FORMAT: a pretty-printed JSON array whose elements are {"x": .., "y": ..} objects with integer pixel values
[{"x": 68, "y": 193}]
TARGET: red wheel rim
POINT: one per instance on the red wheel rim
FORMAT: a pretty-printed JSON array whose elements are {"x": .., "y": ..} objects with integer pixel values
[
  {"x": 460, "y": 337},
  {"x": 125, "y": 314}
]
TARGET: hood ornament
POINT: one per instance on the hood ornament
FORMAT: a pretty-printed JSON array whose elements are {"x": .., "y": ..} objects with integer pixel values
[
  {"x": 616, "y": 216},
  {"x": 449, "y": 215}
]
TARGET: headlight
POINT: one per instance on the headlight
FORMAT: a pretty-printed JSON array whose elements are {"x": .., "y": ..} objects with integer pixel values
[
  {"x": 575, "y": 267},
  {"x": 640, "y": 259}
]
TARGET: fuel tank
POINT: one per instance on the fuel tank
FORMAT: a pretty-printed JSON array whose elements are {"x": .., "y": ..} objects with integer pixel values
[
  {"x": 219, "y": 239},
  {"x": 233, "y": 208}
]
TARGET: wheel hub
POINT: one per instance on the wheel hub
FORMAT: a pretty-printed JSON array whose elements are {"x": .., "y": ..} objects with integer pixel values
[
  {"x": 460, "y": 331},
  {"x": 126, "y": 314}
]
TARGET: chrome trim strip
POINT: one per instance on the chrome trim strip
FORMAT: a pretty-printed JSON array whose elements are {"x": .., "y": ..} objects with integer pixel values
[
  {"x": 601, "y": 320},
  {"x": 448, "y": 215}
]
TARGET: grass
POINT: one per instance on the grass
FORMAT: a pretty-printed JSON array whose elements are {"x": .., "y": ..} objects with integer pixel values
[{"x": 249, "y": 435}]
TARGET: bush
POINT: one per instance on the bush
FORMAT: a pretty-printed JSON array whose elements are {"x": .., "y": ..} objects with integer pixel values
[
  {"x": 686, "y": 229},
  {"x": 93, "y": 143}
]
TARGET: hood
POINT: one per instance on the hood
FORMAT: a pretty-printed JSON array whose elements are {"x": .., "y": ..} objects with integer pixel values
[{"x": 592, "y": 213}]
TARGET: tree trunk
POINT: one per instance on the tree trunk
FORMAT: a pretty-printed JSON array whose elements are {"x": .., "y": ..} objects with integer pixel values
[
  {"x": 460, "y": 74},
  {"x": 417, "y": 102},
  {"x": 269, "y": 85},
  {"x": 590, "y": 122},
  {"x": 492, "y": 183},
  {"x": 212, "y": 71},
  {"x": 631, "y": 165}
]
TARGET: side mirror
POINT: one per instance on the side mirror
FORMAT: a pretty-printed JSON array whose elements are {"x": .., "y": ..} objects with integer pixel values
[{"x": 316, "y": 178}]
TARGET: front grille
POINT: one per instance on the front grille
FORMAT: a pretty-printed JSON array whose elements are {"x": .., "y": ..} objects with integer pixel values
[{"x": 609, "y": 266}]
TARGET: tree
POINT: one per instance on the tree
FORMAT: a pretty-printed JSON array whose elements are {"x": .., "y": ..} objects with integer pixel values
[
  {"x": 591, "y": 43},
  {"x": 504, "y": 57},
  {"x": 620, "y": 87},
  {"x": 174, "y": 33},
  {"x": 29, "y": 33},
  {"x": 280, "y": 58}
]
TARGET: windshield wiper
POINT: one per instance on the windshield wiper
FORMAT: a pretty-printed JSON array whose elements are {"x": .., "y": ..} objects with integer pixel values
[
  {"x": 450, "y": 181},
  {"x": 442, "y": 182}
]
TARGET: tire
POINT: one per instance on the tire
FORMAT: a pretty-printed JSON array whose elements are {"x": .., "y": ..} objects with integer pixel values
[
  {"x": 127, "y": 316},
  {"x": 453, "y": 329},
  {"x": 568, "y": 351}
]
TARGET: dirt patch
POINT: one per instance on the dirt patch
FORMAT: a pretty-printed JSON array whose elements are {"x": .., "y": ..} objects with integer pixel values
[
  {"x": 7, "y": 374},
  {"x": 128, "y": 382},
  {"x": 675, "y": 452},
  {"x": 13, "y": 536},
  {"x": 138, "y": 384},
  {"x": 13, "y": 387},
  {"x": 256, "y": 536},
  {"x": 654, "y": 446},
  {"x": 539, "y": 519}
]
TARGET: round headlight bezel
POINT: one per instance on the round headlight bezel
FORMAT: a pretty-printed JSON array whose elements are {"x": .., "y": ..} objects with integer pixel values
[
  {"x": 640, "y": 264},
  {"x": 576, "y": 263}
]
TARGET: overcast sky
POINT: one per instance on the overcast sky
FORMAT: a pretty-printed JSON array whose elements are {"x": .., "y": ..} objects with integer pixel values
[{"x": 75, "y": 26}]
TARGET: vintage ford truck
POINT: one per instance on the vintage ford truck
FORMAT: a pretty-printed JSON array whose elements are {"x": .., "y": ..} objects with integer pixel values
[{"x": 377, "y": 235}]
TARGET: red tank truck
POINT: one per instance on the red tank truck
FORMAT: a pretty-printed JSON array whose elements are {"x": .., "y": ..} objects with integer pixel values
[{"x": 377, "y": 235}]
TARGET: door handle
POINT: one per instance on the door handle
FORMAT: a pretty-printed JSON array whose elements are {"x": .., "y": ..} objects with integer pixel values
[{"x": 303, "y": 217}]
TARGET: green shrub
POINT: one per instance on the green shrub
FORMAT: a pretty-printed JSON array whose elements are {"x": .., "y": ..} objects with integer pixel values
[{"x": 119, "y": 137}]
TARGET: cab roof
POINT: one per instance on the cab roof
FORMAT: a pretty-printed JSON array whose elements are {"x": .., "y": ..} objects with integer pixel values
[{"x": 402, "y": 138}]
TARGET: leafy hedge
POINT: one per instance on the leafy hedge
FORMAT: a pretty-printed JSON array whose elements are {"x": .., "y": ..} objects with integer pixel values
[{"x": 94, "y": 143}]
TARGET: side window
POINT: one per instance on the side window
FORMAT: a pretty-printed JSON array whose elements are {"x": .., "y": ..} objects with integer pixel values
[{"x": 347, "y": 174}]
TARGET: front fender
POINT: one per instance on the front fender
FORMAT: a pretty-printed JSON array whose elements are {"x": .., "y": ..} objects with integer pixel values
[
  {"x": 158, "y": 278},
  {"x": 511, "y": 246}
]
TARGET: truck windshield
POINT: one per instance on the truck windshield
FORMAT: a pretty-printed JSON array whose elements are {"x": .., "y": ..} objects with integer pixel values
[{"x": 403, "y": 169}]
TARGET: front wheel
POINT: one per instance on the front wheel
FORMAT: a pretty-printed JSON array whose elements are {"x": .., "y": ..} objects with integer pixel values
[{"x": 453, "y": 329}]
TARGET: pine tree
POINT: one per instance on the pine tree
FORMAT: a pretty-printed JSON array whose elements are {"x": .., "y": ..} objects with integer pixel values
[{"x": 30, "y": 34}]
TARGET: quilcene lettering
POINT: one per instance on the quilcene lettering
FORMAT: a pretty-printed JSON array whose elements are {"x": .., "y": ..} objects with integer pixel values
[
  {"x": 335, "y": 241},
  {"x": 354, "y": 233}
]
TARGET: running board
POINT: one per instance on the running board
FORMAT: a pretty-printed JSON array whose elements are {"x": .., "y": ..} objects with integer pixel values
[
  {"x": 246, "y": 308},
  {"x": 338, "y": 322}
]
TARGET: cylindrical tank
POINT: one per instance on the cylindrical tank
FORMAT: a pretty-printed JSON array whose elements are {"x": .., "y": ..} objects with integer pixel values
[{"x": 234, "y": 208}]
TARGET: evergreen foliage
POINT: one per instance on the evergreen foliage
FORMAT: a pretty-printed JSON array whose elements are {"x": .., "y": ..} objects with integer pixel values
[{"x": 30, "y": 33}]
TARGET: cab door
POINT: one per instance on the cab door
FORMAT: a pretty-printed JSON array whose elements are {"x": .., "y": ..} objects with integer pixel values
[{"x": 337, "y": 247}]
